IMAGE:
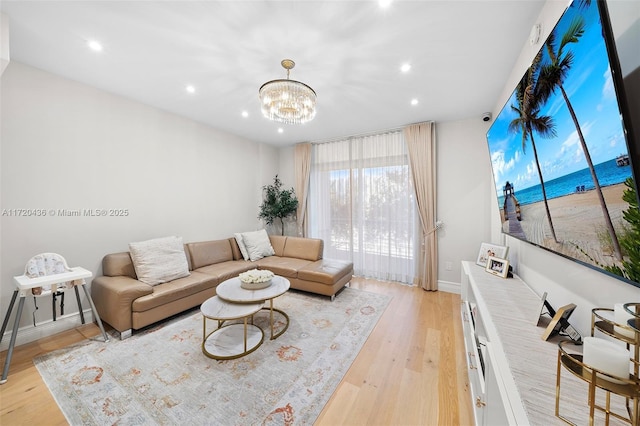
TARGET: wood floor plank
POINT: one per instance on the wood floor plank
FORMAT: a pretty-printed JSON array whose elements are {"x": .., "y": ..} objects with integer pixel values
[
  {"x": 344, "y": 399},
  {"x": 411, "y": 370},
  {"x": 25, "y": 399}
]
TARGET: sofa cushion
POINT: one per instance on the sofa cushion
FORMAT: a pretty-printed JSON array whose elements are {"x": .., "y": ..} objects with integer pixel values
[
  {"x": 225, "y": 270},
  {"x": 235, "y": 249},
  {"x": 325, "y": 271},
  {"x": 209, "y": 252},
  {"x": 171, "y": 291},
  {"x": 303, "y": 248},
  {"x": 257, "y": 244},
  {"x": 159, "y": 260},
  {"x": 283, "y": 266},
  {"x": 277, "y": 242}
]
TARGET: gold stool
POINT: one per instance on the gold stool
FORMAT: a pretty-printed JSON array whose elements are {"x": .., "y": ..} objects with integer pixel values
[{"x": 628, "y": 387}]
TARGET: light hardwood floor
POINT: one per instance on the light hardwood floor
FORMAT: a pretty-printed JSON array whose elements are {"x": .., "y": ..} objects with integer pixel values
[{"x": 411, "y": 370}]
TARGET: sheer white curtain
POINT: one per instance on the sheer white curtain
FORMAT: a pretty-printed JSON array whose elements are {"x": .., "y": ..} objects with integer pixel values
[{"x": 361, "y": 203}]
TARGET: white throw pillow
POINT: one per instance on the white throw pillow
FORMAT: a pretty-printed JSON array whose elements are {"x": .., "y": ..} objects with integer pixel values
[
  {"x": 257, "y": 244},
  {"x": 159, "y": 260},
  {"x": 243, "y": 248}
]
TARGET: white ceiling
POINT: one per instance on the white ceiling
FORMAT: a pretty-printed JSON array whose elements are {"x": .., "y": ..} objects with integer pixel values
[{"x": 350, "y": 52}]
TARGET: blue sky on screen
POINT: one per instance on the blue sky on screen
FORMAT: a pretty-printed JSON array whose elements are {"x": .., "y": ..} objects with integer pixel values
[{"x": 590, "y": 89}]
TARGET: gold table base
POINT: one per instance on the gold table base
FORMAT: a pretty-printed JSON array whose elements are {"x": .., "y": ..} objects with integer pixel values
[
  {"x": 226, "y": 329},
  {"x": 628, "y": 388}
]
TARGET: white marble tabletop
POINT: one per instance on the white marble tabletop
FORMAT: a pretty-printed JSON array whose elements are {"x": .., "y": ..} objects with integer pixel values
[
  {"x": 216, "y": 308},
  {"x": 231, "y": 291}
]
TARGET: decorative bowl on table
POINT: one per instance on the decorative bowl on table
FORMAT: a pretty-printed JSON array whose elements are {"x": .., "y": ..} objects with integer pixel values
[{"x": 255, "y": 279}]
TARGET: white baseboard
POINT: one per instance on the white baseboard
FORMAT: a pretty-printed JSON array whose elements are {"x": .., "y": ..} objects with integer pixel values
[
  {"x": 449, "y": 286},
  {"x": 29, "y": 333}
]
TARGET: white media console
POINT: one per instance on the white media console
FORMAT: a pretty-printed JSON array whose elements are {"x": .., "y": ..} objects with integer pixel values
[{"x": 512, "y": 371}]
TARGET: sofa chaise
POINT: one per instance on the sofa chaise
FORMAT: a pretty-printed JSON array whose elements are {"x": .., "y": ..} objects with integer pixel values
[{"x": 126, "y": 303}]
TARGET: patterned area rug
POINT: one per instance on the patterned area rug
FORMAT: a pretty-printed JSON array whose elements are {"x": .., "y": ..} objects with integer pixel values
[{"x": 161, "y": 376}]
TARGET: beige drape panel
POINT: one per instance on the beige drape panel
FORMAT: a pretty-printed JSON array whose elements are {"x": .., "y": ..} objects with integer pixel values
[
  {"x": 302, "y": 160},
  {"x": 421, "y": 144}
]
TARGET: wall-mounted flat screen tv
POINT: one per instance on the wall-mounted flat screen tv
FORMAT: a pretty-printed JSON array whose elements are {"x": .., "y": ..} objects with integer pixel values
[{"x": 563, "y": 151}]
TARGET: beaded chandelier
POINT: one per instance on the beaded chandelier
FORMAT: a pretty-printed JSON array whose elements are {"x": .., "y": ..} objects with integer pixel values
[{"x": 288, "y": 101}]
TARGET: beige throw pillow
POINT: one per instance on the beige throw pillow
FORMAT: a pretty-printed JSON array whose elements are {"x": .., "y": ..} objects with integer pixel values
[
  {"x": 241, "y": 246},
  {"x": 257, "y": 244},
  {"x": 159, "y": 260}
]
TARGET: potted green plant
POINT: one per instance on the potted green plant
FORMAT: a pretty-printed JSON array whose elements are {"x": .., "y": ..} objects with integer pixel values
[{"x": 277, "y": 203}]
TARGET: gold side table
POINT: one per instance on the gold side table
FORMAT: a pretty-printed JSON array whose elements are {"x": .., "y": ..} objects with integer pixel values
[
  {"x": 231, "y": 291},
  {"x": 232, "y": 340},
  {"x": 627, "y": 387}
]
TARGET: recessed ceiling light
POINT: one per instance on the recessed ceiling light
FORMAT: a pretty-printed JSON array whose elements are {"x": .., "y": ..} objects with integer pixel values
[
  {"x": 280, "y": 130},
  {"x": 190, "y": 89},
  {"x": 245, "y": 114},
  {"x": 94, "y": 45},
  {"x": 405, "y": 67},
  {"x": 414, "y": 101},
  {"x": 384, "y": 3}
]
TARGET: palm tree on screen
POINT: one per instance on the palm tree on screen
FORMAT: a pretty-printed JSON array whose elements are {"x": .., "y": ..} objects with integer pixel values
[
  {"x": 529, "y": 121},
  {"x": 552, "y": 77}
]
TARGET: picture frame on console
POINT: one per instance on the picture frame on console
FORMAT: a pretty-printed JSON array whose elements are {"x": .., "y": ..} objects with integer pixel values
[
  {"x": 497, "y": 266},
  {"x": 488, "y": 250},
  {"x": 545, "y": 308},
  {"x": 559, "y": 324}
]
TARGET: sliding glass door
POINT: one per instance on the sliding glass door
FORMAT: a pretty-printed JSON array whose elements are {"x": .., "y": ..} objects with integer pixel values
[{"x": 362, "y": 205}]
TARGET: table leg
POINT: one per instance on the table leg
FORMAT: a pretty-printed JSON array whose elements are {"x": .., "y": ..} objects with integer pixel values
[
  {"x": 245, "y": 334},
  {"x": 558, "y": 385},
  {"x": 271, "y": 321},
  {"x": 592, "y": 397},
  {"x": 53, "y": 304},
  {"x": 75, "y": 287},
  {"x": 95, "y": 312},
  {"x": 6, "y": 317},
  {"x": 12, "y": 342},
  {"x": 271, "y": 316}
]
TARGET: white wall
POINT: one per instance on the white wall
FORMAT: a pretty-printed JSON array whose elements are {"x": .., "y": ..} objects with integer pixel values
[
  {"x": 4, "y": 61},
  {"x": 564, "y": 280},
  {"x": 4, "y": 42},
  {"x": 67, "y": 146},
  {"x": 464, "y": 195}
]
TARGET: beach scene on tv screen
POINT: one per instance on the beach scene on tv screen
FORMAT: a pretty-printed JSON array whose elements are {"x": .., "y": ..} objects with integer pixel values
[{"x": 558, "y": 149}]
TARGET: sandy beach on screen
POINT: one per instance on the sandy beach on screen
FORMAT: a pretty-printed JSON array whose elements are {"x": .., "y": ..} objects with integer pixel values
[{"x": 578, "y": 221}]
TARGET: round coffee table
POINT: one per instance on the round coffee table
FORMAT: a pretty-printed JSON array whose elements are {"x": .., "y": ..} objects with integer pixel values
[
  {"x": 233, "y": 340},
  {"x": 231, "y": 291}
]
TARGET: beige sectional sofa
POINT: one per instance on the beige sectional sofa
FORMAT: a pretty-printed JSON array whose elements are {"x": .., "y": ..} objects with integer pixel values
[{"x": 128, "y": 304}]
